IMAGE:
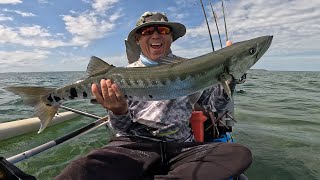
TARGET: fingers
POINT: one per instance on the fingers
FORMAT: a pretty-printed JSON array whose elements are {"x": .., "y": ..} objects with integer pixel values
[
  {"x": 118, "y": 93},
  {"x": 108, "y": 93},
  {"x": 110, "y": 96},
  {"x": 105, "y": 86},
  {"x": 96, "y": 93}
]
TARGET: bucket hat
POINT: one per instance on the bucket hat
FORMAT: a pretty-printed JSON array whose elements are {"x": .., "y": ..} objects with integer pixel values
[{"x": 150, "y": 18}]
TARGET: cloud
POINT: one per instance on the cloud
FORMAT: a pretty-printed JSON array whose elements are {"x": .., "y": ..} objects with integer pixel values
[
  {"x": 73, "y": 62},
  {"x": 23, "y": 56},
  {"x": 29, "y": 36},
  {"x": 43, "y": 2},
  {"x": 88, "y": 26},
  {"x": 10, "y": 1},
  {"x": 23, "y": 14},
  {"x": 5, "y": 18},
  {"x": 294, "y": 24},
  {"x": 21, "y": 59},
  {"x": 84, "y": 28},
  {"x": 34, "y": 31},
  {"x": 119, "y": 60},
  {"x": 101, "y": 6}
]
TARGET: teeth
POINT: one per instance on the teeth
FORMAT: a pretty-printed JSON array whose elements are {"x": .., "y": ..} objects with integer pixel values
[{"x": 155, "y": 44}]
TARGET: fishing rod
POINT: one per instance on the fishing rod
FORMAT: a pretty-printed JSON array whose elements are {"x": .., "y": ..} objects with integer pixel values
[
  {"x": 22, "y": 156},
  {"x": 9, "y": 171},
  {"x": 205, "y": 16},
  {"x": 80, "y": 112},
  {"x": 215, "y": 19},
  {"x": 99, "y": 122},
  {"x": 225, "y": 23}
]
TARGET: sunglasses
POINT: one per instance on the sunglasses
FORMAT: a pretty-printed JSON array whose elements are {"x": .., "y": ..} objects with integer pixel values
[{"x": 149, "y": 30}]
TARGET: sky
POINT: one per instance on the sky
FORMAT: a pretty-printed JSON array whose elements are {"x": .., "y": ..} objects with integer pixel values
[{"x": 55, "y": 35}]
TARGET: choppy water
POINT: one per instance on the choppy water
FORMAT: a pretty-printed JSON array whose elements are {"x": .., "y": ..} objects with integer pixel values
[{"x": 278, "y": 117}]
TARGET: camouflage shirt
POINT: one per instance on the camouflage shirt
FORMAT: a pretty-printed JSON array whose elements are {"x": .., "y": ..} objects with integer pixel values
[{"x": 166, "y": 120}]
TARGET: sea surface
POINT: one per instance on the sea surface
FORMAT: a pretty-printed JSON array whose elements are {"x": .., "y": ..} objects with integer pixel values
[{"x": 278, "y": 116}]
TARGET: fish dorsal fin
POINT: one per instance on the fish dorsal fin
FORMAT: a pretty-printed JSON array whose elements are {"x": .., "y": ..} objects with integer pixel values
[{"x": 98, "y": 66}]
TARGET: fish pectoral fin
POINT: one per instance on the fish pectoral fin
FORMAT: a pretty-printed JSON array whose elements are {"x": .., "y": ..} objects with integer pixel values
[
  {"x": 226, "y": 88},
  {"x": 30, "y": 95},
  {"x": 224, "y": 79},
  {"x": 97, "y": 66}
]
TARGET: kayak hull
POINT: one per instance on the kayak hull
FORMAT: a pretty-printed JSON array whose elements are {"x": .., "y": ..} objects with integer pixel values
[{"x": 20, "y": 127}]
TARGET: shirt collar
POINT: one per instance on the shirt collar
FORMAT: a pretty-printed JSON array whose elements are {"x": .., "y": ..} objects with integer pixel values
[{"x": 148, "y": 62}]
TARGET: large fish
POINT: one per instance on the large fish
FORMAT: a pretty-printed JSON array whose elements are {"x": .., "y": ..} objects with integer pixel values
[{"x": 163, "y": 82}]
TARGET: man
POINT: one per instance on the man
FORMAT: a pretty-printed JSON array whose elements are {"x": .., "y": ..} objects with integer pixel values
[{"x": 154, "y": 140}]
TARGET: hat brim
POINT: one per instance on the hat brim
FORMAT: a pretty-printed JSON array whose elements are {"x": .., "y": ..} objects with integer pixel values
[{"x": 178, "y": 30}]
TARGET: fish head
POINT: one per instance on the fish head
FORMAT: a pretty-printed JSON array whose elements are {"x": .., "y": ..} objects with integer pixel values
[{"x": 243, "y": 55}]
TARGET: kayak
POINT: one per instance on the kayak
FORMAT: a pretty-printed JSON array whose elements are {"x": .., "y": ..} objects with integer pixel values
[
  {"x": 222, "y": 129},
  {"x": 24, "y": 126}
]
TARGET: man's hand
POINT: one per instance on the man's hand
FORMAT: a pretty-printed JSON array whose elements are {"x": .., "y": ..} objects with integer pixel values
[{"x": 110, "y": 97}]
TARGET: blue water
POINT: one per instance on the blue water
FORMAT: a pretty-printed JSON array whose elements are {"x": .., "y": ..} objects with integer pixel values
[{"x": 278, "y": 117}]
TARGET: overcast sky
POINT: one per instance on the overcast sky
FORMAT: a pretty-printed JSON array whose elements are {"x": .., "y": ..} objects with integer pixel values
[{"x": 55, "y": 35}]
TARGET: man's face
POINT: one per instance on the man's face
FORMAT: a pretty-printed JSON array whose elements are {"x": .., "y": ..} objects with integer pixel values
[{"x": 154, "y": 45}]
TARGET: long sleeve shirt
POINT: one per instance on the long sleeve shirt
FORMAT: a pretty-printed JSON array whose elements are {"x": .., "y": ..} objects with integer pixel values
[{"x": 166, "y": 120}]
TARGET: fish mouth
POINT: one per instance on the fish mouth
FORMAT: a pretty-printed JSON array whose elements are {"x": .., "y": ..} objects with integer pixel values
[
  {"x": 263, "y": 44},
  {"x": 265, "y": 47}
]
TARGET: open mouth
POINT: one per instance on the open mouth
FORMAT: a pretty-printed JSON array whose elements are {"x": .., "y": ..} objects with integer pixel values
[{"x": 156, "y": 45}]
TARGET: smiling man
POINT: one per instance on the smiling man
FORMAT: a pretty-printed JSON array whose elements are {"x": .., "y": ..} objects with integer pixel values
[
  {"x": 154, "y": 139},
  {"x": 152, "y": 38}
]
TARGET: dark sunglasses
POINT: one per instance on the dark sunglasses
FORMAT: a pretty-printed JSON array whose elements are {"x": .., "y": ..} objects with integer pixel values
[{"x": 149, "y": 30}]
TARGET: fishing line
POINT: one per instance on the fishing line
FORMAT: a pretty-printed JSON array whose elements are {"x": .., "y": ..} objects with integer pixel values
[
  {"x": 227, "y": 14},
  {"x": 205, "y": 16},
  {"x": 215, "y": 19},
  {"x": 224, "y": 18}
]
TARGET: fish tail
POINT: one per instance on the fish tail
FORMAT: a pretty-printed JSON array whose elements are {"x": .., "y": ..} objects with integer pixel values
[{"x": 33, "y": 96}]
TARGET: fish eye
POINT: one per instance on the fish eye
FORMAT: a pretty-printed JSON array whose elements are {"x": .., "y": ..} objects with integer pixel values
[{"x": 252, "y": 50}]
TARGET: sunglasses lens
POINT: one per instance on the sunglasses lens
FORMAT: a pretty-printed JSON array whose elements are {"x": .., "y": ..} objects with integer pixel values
[
  {"x": 147, "y": 31},
  {"x": 164, "y": 30},
  {"x": 150, "y": 30}
]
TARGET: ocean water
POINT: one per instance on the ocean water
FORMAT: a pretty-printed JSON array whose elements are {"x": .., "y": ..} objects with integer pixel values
[{"x": 278, "y": 116}]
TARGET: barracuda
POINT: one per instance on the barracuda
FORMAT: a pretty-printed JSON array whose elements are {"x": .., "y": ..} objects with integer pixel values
[{"x": 188, "y": 77}]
